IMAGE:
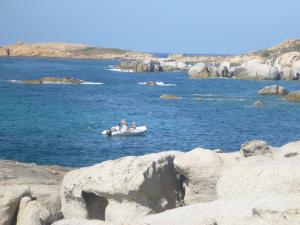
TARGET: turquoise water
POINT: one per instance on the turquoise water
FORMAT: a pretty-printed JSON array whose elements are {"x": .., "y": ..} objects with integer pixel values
[{"x": 61, "y": 124}]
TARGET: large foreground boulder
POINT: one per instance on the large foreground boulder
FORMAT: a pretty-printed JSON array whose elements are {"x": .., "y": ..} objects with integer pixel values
[
  {"x": 122, "y": 190},
  {"x": 273, "y": 90},
  {"x": 257, "y": 190}
]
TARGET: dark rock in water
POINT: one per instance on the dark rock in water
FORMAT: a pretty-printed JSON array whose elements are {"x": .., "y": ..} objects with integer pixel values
[
  {"x": 293, "y": 96},
  {"x": 53, "y": 80}
]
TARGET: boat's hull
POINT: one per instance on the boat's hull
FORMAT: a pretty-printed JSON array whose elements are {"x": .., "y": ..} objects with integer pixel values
[{"x": 129, "y": 132}]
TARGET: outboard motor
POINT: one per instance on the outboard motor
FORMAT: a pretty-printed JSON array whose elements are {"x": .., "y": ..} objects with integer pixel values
[{"x": 109, "y": 132}]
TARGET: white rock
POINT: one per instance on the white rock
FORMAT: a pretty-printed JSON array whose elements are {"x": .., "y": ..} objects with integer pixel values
[
  {"x": 256, "y": 70},
  {"x": 32, "y": 212},
  {"x": 9, "y": 202}
]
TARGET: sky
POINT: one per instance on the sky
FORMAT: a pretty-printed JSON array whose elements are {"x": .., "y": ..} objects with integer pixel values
[{"x": 181, "y": 26}]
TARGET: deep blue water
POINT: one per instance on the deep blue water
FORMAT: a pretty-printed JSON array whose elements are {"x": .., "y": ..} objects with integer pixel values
[{"x": 61, "y": 124}]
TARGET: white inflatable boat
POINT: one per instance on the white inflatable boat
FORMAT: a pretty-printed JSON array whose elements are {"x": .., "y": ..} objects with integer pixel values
[{"x": 114, "y": 131}]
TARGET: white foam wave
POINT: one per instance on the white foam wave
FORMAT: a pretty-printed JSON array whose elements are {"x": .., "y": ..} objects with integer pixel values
[
  {"x": 14, "y": 81},
  {"x": 224, "y": 99},
  {"x": 156, "y": 84},
  {"x": 205, "y": 95},
  {"x": 119, "y": 70},
  {"x": 91, "y": 83}
]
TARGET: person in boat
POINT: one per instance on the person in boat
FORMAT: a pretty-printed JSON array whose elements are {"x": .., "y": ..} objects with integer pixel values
[
  {"x": 123, "y": 125},
  {"x": 133, "y": 126}
]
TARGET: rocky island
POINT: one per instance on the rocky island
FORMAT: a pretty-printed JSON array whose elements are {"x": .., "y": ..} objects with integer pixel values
[
  {"x": 64, "y": 50},
  {"x": 257, "y": 185}
]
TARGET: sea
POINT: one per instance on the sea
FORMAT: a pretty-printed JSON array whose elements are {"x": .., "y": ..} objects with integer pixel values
[{"x": 62, "y": 124}]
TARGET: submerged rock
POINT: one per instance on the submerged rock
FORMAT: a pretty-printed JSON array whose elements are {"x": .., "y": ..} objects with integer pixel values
[
  {"x": 170, "y": 97},
  {"x": 293, "y": 96},
  {"x": 273, "y": 90},
  {"x": 258, "y": 104}
]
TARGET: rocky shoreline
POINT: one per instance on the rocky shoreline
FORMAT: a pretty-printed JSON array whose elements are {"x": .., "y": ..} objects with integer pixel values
[
  {"x": 259, "y": 184},
  {"x": 279, "y": 62}
]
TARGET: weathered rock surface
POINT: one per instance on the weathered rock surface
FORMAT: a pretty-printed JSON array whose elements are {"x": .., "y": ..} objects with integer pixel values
[
  {"x": 257, "y": 70},
  {"x": 252, "y": 148},
  {"x": 82, "y": 222},
  {"x": 200, "y": 170},
  {"x": 273, "y": 90},
  {"x": 31, "y": 212},
  {"x": 258, "y": 190},
  {"x": 39, "y": 184},
  {"x": 293, "y": 96},
  {"x": 10, "y": 198},
  {"x": 123, "y": 190},
  {"x": 204, "y": 70}
]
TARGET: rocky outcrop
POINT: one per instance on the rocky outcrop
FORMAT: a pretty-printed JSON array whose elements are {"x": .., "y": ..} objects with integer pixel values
[
  {"x": 273, "y": 90},
  {"x": 293, "y": 96},
  {"x": 203, "y": 70},
  {"x": 29, "y": 194},
  {"x": 257, "y": 70},
  {"x": 123, "y": 190},
  {"x": 153, "y": 65}
]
